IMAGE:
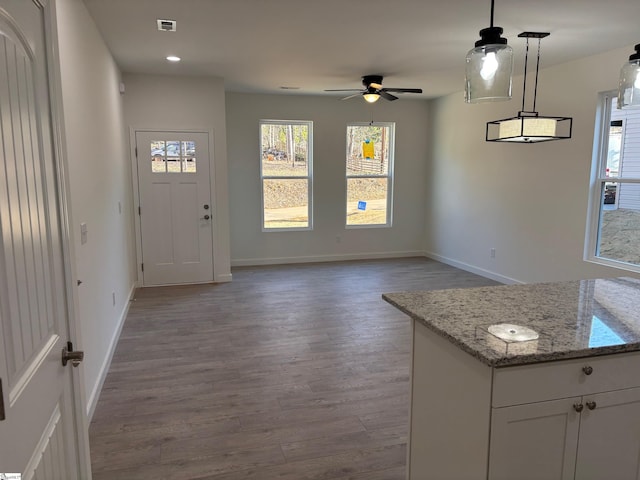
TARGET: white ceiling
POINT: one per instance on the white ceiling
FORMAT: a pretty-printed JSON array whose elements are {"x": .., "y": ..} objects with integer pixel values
[{"x": 262, "y": 45}]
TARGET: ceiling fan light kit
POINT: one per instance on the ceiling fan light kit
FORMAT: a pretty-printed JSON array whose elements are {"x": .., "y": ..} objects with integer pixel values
[
  {"x": 489, "y": 67},
  {"x": 371, "y": 97},
  {"x": 629, "y": 87},
  {"x": 529, "y": 126}
]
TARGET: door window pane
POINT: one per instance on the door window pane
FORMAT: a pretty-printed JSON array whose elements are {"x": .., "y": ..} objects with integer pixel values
[
  {"x": 173, "y": 156},
  {"x": 158, "y": 162}
]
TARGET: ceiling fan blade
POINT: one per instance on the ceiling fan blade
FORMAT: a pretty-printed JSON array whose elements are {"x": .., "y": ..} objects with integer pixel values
[
  {"x": 387, "y": 96},
  {"x": 345, "y": 90},
  {"x": 351, "y": 96},
  {"x": 403, "y": 90}
]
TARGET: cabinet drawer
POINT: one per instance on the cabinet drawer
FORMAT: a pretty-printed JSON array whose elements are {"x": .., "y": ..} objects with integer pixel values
[{"x": 565, "y": 378}]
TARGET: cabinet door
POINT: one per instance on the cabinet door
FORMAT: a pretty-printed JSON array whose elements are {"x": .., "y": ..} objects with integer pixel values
[
  {"x": 609, "y": 443},
  {"x": 535, "y": 441}
]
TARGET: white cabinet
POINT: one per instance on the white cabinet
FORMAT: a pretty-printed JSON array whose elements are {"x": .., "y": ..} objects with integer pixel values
[
  {"x": 609, "y": 441},
  {"x": 585, "y": 438},
  {"x": 569, "y": 419},
  {"x": 535, "y": 441}
]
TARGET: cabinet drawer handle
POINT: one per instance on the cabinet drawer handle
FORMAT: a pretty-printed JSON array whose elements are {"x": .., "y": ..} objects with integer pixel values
[
  {"x": 578, "y": 407},
  {"x": 588, "y": 370},
  {"x": 591, "y": 405}
]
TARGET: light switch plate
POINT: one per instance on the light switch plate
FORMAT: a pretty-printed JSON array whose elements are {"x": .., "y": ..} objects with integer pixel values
[{"x": 83, "y": 233}]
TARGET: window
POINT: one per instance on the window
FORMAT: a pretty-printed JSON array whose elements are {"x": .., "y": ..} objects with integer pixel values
[
  {"x": 173, "y": 156},
  {"x": 286, "y": 173},
  {"x": 369, "y": 168},
  {"x": 614, "y": 215}
]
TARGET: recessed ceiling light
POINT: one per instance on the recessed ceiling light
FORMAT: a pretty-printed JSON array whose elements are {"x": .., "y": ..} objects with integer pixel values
[{"x": 173, "y": 58}]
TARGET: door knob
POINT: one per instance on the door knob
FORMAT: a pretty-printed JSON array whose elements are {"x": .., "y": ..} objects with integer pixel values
[
  {"x": 591, "y": 405},
  {"x": 206, "y": 207},
  {"x": 70, "y": 355},
  {"x": 587, "y": 369},
  {"x": 578, "y": 407},
  {"x": 206, "y": 217}
]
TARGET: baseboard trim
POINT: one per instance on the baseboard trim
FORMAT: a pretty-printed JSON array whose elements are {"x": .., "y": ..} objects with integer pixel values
[
  {"x": 250, "y": 262},
  {"x": 92, "y": 401},
  {"x": 473, "y": 269}
]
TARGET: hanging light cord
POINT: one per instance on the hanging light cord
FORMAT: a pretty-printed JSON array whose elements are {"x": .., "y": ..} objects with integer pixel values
[{"x": 492, "y": 8}]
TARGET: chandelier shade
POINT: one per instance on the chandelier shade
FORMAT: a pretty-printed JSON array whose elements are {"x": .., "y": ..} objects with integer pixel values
[
  {"x": 529, "y": 128},
  {"x": 489, "y": 67},
  {"x": 629, "y": 87}
]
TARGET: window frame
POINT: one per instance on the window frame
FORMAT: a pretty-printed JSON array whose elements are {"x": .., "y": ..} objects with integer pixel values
[
  {"x": 389, "y": 176},
  {"x": 308, "y": 177},
  {"x": 598, "y": 180}
]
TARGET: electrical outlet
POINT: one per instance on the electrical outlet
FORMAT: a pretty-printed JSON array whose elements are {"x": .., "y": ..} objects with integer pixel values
[{"x": 492, "y": 253}]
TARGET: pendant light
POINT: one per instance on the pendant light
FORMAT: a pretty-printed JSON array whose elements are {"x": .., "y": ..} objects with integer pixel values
[
  {"x": 489, "y": 67},
  {"x": 529, "y": 126},
  {"x": 629, "y": 88}
]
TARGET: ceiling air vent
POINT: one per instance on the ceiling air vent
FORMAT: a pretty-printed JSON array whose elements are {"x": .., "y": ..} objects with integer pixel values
[{"x": 166, "y": 25}]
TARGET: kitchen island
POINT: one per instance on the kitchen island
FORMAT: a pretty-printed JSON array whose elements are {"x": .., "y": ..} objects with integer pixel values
[{"x": 538, "y": 381}]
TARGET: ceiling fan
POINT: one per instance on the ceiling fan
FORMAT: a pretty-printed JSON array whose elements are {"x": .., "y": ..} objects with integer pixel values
[{"x": 373, "y": 90}]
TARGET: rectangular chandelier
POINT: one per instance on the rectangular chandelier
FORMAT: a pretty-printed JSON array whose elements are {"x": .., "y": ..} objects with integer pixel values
[{"x": 529, "y": 127}]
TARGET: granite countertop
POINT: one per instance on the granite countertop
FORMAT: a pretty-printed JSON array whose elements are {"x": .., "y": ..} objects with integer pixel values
[{"x": 573, "y": 319}]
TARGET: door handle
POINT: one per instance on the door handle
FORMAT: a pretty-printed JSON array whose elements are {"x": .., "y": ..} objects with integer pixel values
[
  {"x": 206, "y": 217},
  {"x": 70, "y": 355}
]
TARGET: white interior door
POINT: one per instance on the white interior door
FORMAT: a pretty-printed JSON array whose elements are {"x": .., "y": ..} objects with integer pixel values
[
  {"x": 37, "y": 425},
  {"x": 175, "y": 207}
]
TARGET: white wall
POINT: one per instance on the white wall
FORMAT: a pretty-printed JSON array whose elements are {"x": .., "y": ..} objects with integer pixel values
[
  {"x": 188, "y": 103},
  {"x": 100, "y": 181},
  {"x": 330, "y": 116},
  {"x": 529, "y": 202}
]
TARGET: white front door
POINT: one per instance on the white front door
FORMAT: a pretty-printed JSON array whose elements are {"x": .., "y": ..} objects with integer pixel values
[
  {"x": 175, "y": 207},
  {"x": 37, "y": 424}
]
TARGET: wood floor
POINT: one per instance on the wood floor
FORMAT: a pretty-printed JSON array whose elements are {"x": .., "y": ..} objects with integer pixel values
[{"x": 294, "y": 372}]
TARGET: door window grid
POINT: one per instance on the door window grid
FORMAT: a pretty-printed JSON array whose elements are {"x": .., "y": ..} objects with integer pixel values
[
  {"x": 369, "y": 174},
  {"x": 173, "y": 156},
  {"x": 613, "y": 235},
  {"x": 286, "y": 175}
]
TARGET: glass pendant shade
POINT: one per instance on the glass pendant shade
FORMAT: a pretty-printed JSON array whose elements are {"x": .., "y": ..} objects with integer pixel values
[
  {"x": 489, "y": 68},
  {"x": 629, "y": 87}
]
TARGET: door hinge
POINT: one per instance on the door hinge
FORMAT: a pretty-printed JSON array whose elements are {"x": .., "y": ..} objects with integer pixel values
[
  {"x": 139, "y": 211},
  {"x": 136, "y": 149},
  {"x": 142, "y": 266},
  {"x": 2, "y": 415}
]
